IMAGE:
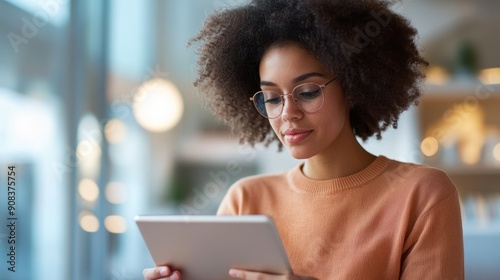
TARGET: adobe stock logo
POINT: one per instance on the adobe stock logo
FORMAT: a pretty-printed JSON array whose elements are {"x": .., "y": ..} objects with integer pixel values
[
  {"x": 363, "y": 37},
  {"x": 31, "y": 26}
]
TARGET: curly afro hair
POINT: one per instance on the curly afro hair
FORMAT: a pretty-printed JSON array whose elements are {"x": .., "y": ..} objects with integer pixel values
[{"x": 370, "y": 48}]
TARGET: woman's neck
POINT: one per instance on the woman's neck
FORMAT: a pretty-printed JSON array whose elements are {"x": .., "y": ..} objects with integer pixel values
[{"x": 344, "y": 157}]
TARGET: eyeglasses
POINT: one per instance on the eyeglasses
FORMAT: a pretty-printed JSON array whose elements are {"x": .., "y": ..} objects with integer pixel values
[{"x": 308, "y": 97}]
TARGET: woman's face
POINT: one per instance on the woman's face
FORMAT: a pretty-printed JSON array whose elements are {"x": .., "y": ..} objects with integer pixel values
[{"x": 305, "y": 135}]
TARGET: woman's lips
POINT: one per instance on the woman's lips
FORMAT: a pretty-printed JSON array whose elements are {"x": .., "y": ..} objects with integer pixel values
[{"x": 296, "y": 135}]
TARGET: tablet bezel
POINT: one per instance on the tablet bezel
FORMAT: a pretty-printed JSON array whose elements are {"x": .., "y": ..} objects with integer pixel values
[{"x": 206, "y": 247}]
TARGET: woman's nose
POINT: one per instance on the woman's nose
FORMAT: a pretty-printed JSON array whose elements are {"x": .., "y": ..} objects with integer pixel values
[{"x": 290, "y": 109}]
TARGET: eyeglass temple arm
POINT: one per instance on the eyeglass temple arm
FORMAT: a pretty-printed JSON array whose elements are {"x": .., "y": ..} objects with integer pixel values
[{"x": 331, "y": 81}]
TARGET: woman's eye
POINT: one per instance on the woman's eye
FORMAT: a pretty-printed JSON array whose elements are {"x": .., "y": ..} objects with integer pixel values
[
  {"x": 275, "y": 100},
  {"x": 309, "y": 94}
]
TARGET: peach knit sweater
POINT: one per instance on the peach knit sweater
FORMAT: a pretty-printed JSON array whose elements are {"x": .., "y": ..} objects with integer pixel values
[{"x": 391, "y": 220}]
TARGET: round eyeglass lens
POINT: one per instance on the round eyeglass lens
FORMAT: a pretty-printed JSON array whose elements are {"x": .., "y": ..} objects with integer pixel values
[
  {"x": 308, "y": 97},
  {"x": 268, "y": 103}
]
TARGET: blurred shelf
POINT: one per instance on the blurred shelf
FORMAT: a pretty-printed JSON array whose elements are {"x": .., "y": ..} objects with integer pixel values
[
  {"x": 461, "y": 89},
  {"x": 452, "y": 113}
]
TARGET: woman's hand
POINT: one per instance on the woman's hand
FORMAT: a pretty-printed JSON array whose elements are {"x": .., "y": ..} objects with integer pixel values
[
  {"x": 161, "y": 273},
  {"x": 244, "y": 274}
]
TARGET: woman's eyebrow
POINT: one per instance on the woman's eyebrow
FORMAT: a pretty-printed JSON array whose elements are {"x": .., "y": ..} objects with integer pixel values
[
  {"x": 306, "y": 76},
  {"x": 295, "y": 80}
]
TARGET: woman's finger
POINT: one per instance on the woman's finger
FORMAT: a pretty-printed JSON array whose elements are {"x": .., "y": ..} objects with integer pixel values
[
  {"x": 158, "y": 272},
  {"x": 243, "y": 274}
]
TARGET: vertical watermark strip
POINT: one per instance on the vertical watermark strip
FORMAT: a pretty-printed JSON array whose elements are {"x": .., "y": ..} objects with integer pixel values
[{"x": 11, "y": 217}]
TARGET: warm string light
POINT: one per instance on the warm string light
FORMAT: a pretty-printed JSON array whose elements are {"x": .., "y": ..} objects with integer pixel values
[
  {"x": 115, "y": 224},
  {"x": 158, "y": 105},
  {"x": 496, "y": 152},
  {"x": 88, "y": 190},
  {"x": 88, "y": 222},
  {"x": 112, "y": 223},
  {"x": 115, "y": 131},
  {"x": 429, "y": 146},
  {"x": 490, "y": 76}
]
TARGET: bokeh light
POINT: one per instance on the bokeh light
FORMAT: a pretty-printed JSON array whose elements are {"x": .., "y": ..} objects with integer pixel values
[
  {"x": 115, "y": 224},
  {"x": 89, "y": 222},
  {"x": 429, "y": 146},
  {"x": 88, "y": 190},
  {"x": 158, "y": 105}
]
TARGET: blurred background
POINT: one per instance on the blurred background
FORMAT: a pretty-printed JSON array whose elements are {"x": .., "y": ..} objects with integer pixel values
[{"x": 100, "y": 122}]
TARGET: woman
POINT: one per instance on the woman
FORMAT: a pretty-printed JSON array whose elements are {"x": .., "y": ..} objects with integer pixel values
[{"x": 318, "y": 73}]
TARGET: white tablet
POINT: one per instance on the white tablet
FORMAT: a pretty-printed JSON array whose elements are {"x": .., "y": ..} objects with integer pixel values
[{"x": 206, "y": 247}]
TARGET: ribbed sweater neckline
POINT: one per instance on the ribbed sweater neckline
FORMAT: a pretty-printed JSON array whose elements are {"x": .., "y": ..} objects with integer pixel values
[{"x": 302, "y": 183}]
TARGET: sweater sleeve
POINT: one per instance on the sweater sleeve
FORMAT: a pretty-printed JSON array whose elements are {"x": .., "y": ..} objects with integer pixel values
[
  {"x": 434, "y": 247},
  {"x": 229, "y": 204}
]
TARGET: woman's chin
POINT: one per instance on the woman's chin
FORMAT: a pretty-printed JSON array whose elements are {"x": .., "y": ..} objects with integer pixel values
[{"x": 298, "y": 152}]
